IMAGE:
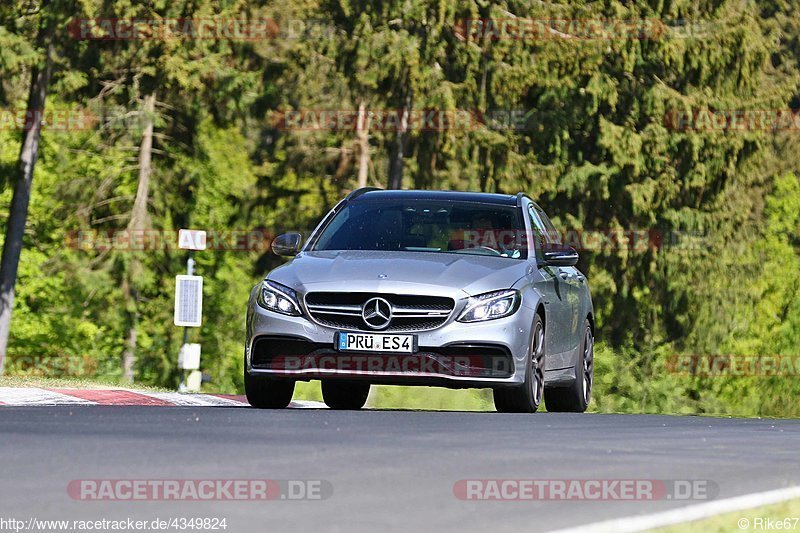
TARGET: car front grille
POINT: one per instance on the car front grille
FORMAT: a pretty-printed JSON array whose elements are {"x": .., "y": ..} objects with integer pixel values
[{"x": 343, "y": 310}]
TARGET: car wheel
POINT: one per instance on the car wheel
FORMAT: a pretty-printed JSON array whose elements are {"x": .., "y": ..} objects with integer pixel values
[
  {"x": 265, "y": 393},
  {"x": 575, "y": 398},
  {"x": 344, "y": 395},
  {"x": 526, "y": 398}
]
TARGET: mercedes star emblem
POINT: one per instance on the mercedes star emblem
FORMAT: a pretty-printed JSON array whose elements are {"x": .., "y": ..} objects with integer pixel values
[{"x": 377, "y": 313}]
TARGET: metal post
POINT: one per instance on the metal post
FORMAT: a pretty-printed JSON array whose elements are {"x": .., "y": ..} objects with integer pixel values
[{"x": 190, "y": 272}]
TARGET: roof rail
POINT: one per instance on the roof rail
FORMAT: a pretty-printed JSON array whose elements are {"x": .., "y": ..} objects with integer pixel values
[{"x": 358, "y": 192}]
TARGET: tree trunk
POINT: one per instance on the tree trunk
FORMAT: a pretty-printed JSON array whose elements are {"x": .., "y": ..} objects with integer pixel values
[
  {"x": 398, "y": 150},
  {"x": 129, "y": 356},
  {"x": 18, "y": 215},
  {"x": 140, "y": 220},
  {"x": 362, "y": 138},
  {"x": 139, "y": 216}
]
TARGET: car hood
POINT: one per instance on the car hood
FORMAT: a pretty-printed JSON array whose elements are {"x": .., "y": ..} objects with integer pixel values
[{"x": 454, "y": 275}]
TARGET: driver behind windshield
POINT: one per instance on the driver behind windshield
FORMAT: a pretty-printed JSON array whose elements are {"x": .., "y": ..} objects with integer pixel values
[
  {"x": 456, "y": 227},
  {"x": 484, "y": 233}
]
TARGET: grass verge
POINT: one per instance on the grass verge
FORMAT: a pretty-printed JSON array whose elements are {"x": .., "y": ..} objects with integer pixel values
[
  {"x": 766, "y": 518},
  {"x": 72, "y": 383}
]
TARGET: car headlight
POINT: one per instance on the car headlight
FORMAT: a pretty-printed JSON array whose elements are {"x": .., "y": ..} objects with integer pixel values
[
  {"x": 278, "y": 298},
  {"x": 491, "y": 305}
]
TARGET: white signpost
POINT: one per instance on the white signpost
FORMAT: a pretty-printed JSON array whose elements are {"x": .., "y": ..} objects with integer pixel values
[
  {"x": 191, "y": 239},
  {"x": 189, "y": 359},
  {"x": 189, "y": 309}
]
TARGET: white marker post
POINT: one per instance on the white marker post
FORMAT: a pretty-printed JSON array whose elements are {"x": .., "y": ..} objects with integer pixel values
[{"x": 189, "y": 309}]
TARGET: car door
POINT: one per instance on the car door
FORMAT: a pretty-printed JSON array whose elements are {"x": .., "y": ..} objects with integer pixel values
[
  {"x": 553, "y": 287},
  {"x": 573, "y": 283}
]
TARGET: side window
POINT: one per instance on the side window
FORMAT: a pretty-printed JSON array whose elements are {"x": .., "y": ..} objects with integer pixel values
[
  {"x": 539, "y": 231},
  {"x": 551, "y": 234}
]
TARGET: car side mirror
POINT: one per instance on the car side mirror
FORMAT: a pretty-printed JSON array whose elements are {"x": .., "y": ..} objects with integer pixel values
[
  {"x": 287, "y": 245},
  {"x": 560, "y": 255}
]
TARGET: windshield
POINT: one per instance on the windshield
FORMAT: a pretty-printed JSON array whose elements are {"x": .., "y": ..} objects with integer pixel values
[{"x": 427, "y": 226}]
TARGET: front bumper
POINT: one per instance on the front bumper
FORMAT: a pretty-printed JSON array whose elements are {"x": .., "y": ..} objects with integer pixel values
[{"x": 454, "y": 355}]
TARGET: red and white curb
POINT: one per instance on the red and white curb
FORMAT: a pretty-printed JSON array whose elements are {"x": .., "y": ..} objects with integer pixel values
[{"x": 33, "y": 396}]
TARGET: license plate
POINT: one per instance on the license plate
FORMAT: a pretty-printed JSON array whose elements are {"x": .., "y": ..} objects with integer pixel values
[{"x": 375, "y": 342}]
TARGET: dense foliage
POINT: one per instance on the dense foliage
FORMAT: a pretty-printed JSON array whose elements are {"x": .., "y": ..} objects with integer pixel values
[{"x": 602, "y": 145}]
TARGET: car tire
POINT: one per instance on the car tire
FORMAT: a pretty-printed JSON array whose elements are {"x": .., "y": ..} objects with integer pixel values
[
  {"x": 575, "y": 398},
  {"x": 266, "y": 393},
  {"x": 345, "y": 395},
  {"x": 527, "y": 397}
]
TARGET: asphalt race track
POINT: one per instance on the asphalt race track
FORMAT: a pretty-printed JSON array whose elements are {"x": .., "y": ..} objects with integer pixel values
[{"x": 389, "y": 470}]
